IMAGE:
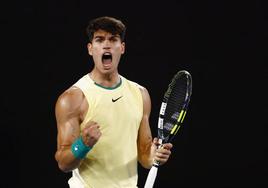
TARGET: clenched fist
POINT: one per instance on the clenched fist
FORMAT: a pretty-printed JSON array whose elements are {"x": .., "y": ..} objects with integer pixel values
[{"x": 91, "y": 133}]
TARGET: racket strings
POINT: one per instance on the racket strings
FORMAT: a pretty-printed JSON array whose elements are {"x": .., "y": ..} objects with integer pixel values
[{"x": 176, "y": 101}]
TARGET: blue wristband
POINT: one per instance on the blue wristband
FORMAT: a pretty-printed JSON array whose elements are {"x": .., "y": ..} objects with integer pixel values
[{"x": 79, "y": 149}]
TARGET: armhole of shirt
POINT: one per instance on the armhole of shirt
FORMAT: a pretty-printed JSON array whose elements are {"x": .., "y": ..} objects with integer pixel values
[
  {"x": 139, "y": 92},
  {"x": 84, "y": 85}
]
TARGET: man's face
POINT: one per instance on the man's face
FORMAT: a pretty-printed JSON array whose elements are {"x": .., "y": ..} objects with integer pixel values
[{"x": 106, "y": 50}]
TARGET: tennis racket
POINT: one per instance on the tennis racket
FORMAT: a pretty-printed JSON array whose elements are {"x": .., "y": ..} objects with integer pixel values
[{"x": 172, "y": 113}]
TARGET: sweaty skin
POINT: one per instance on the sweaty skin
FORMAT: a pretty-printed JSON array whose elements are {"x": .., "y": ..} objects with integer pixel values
[{"x": 72, "y": 106}]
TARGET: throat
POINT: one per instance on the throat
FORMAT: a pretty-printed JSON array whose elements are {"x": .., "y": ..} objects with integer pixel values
[{"x": 107, "y": 83}]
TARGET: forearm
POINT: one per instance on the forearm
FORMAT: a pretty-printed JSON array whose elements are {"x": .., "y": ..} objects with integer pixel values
[
  {"x": 146, "y": 161},
  {"x": 146, "y": 155},
  {"x": 66, "y": 160}
]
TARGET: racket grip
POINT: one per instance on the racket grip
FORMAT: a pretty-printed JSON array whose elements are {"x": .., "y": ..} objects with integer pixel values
[{"x": 151, "y": 177}]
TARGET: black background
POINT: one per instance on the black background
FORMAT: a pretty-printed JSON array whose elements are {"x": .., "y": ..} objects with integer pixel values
[{"x": 223, "y": 44}]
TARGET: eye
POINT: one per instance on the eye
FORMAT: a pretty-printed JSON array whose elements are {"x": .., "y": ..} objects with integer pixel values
[
  {"x": 99, "y": 39},
  {"x": 114, "y": 39}
]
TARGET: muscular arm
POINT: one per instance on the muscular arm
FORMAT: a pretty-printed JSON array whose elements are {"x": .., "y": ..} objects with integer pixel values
[
  {"x": 144, "y": 136},
  {"x": 147, "y": 150},
  {"x": 68, "y": 117}
]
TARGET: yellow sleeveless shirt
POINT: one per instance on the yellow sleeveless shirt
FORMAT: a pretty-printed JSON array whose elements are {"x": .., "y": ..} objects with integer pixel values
[{"x": 112, "y": 162}]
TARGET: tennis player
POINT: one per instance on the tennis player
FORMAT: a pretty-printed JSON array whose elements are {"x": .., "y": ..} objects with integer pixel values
[{"x": 103, "y": 118}]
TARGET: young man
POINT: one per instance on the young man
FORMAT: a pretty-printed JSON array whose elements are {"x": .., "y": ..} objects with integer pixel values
[{"x": 103, "y": 119}]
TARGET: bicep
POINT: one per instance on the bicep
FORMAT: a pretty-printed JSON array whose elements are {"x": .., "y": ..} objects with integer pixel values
[{"x": 67, "y": 117}]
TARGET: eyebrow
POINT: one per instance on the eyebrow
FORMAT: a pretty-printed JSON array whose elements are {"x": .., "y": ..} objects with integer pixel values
[
  {"x": 99, "y": 37},
  {"x": 112, "y": 36}
]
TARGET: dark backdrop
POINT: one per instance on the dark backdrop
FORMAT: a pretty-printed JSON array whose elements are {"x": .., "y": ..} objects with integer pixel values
[{"x": 222, "y": 44}]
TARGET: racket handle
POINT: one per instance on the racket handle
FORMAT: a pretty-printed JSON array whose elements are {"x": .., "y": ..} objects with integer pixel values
[{"x": 151, "y": 177}]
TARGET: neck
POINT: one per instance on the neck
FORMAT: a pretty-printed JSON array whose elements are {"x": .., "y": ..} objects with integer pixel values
[{"x": 111, "y": 80}]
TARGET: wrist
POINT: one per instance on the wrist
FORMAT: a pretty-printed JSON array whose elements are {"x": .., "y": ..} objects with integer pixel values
[{"x": 79, "y": 149}]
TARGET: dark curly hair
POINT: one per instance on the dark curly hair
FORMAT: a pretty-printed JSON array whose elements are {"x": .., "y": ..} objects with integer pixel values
[{"x": 108, "y": 24}]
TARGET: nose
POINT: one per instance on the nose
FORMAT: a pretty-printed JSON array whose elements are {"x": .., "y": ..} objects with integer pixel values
[{"x": 107, "y": 44}]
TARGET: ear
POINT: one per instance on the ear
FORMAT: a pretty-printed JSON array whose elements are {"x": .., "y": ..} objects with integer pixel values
[
  {"x": 89, "y": 48},
  {"x": 123, "y": 46}
]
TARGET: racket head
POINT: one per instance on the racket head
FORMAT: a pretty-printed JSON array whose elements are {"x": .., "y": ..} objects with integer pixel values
[{"x": 174, "y": 105}]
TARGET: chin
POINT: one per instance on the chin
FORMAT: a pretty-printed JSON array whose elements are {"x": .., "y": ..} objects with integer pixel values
[{"x": 108, "y": 71}]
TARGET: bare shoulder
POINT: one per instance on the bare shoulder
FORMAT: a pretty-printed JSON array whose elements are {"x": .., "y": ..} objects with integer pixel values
[
  {"x": 70, "y": 101},
  {"x": 144, "y": 92},
  {"x": 146, "y": 100}
]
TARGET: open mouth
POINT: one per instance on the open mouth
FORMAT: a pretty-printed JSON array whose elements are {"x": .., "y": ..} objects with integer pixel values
[{"x": 107, "y": 58}]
